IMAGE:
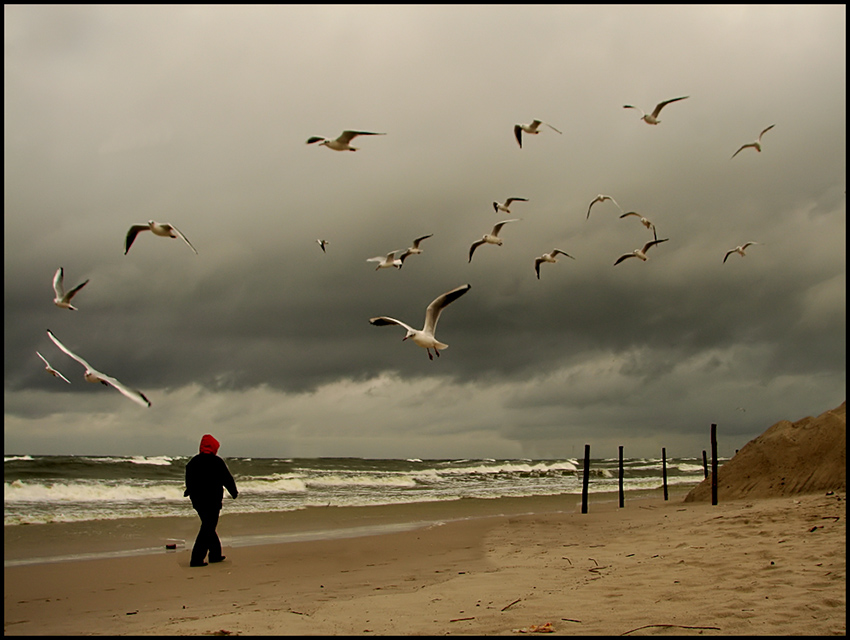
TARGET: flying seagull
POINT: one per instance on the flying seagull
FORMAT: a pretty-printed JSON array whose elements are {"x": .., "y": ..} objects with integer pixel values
[
  {"x": 412, "y": 250},
  {"x": 640, "y": 253},
  {"x": 162, "y": 229},
  {"x": 498, "y": 206},
  {"x": 322, "y": 244},
  {"x": 530, "y": 128},
  {"x": 425, "y": 338},
  {"x": 62, "y": 298},
  {"x": 548, "y": 257},
  {"x": 738, "y": 250},
  {"x": 93, "y": 375},
  {"x": 386, "y": 263},
  {"x": 646, "y": 223},
  {"x": 50, "y": 369},
  {"x": 652, "y": 118},
  {"x": 600, "y": 198},
  {"x": 342, "y": 143},
  {"x": 490, "y": 238},
  {"x": 755, "y": 145}
]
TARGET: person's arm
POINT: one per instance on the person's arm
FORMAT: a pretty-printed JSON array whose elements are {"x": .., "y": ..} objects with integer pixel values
[{"x": 229, "y": 482}]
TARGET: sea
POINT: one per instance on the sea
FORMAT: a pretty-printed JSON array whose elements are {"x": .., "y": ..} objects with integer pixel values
[{"x": 70, "y": 489}]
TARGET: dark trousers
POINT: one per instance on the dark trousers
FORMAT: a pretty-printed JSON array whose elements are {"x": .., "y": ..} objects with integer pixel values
[{"x": 207, "y": 540}]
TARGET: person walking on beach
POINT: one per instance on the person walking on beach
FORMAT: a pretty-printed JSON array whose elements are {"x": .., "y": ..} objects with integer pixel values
[{"x": 207, "y": 476}]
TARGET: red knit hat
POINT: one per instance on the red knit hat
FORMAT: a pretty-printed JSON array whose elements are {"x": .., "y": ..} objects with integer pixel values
[{"x": 209, "y": 444}]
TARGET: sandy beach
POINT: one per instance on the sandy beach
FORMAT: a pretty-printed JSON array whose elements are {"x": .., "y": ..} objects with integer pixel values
[{"x": 654, "y": 567}]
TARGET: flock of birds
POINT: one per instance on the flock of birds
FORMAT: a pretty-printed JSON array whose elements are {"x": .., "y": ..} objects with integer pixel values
[{"x": 424, "y": 337}]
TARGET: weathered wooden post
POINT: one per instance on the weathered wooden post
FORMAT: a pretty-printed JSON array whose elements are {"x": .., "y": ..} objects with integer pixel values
[
  {"x": 664, "y": 469},
  {"x": 621, "y": 477},
  {"x": 704, "y": 465},
  {"x": 713, "y": 464},
  {"x": 586, "y": 478}
]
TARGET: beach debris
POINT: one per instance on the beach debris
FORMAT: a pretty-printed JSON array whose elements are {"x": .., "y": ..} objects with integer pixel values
[
  {"x": 508, "y": 606},
  {"x": 665, "y": 626},
  {"x": 535, "y": 628},
  {"x": 459, "y": 619}
]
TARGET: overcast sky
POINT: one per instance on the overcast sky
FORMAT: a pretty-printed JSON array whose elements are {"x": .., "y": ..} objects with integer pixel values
[{"x": 198, "y": 116}]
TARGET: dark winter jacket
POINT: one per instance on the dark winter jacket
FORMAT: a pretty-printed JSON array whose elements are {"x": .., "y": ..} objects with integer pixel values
[{"x": 207, "y": 476}]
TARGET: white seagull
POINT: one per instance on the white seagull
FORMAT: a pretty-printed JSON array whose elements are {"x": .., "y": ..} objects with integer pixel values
[
  {"x": 530, "y": 128},
  {"x": 386, "y": 263},
  {"x": 322, "y": 244},
  {"x": 646, "y": 223},
  {"x": 62, "y": 298},
  {"x": 412, "y": 250},
  {"x": 342, "y": 143},
  {"x": 93, "y": 375},
  {"x": 640, "y": 253},
  {"x": 490, "y": 238},
  {"x": 755, "y": 145},
  {"x": 425, "y": 338},
  {"x": 739, "y": 250},
  {"x": 50, "y": 369},
  {"x": 162, "y": 229},
  {"x": 652, "y": 118},
  {"x": 498, "y": 206},
  {"x": 600, "y": 198},
  {"x": 548, "y": 257}
]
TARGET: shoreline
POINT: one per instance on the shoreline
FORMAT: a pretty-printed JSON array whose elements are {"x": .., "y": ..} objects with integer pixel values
[
  {"x": 747, "y": 567},
  {"x": 87, "y": 540}
]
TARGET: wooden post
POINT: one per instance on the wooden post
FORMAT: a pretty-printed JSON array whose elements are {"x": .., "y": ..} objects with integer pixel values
[
  {"x": 586, "y": 478},
  {"x": 664, "y": 469},
  {"x": 704, "y": 465},
  {"x": 713, "y": 464},
  {"x": 621, "y": 477}
]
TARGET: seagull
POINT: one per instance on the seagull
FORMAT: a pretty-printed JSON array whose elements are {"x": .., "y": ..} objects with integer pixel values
[
  {"x": 425, "y": 338},
  {"x": 413, "y": 249},
  {"x": 50, "y": 369},
  {"x": 640, "y": 253},
  {"x": 93, "y": 375},
  {"x": 322, "y": 244},
  {"x": 652, "y": 118},
  {"x": 341, "y": 143},
  {"x": 163, "y": 229},
  {"x": 530, "y": 128},
  {"x": 386, "y": 263},
  {"x": 755, "y": 145},
  {"x": 646, "y": 223},
  {"x": 498, "y": 206},
  {"x": 548, "y": 257},
  {"x": 63, "y": 299},
  {"x": 490, "y": 238},
  {"x": 600, "y": 198},
  {"x": 739, "y": 250}
]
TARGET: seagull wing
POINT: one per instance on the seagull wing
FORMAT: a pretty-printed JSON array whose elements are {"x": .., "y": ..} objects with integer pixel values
[
  {"x": 73, "y": 291},
  {"x": 765, "y": 131},
  {"x": 623, "y": 257},
  {"x": 744, "y": 146},
  {"x": 551, "y": 127},
  {"x": 420, "y": 239},
  {"x": 382, "y": 321},
  {"x": 404, "y": 255},
  {"x": 563, "y": 253},
  {"x": 628, "y": 106},
  {"x": 348, "y": 136},
  {"x": 728, "y": 253},
  {"x": 537, "y": 262},
  {"x": 631, "y": 213},
  {"x": 183, "y": 238},
  {"x": 474, "y": 246},
  {"x": 50, "y": 369},
  {"x": 590, "y": 206},
  {"x": 313, "y": 139},
  {"x": 58, "y": 279},
  {"x": 509, "y": 200},
  {"x": 747, "y": 244},
  {"x": 661, "y": 105},
  {"x": 69, "y": 352},
  {"x": 652, "y": 243},
  {"x": 498, "y": 227},
  {"x": 131, "y": 235},
  {"x": 432, "y": 313},
  {"x": 134, "y": 394},
  {"x": 518, "y": 134}
]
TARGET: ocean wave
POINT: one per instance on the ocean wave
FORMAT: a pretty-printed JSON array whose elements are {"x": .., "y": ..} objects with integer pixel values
[{"x": 25, "y": 491}]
